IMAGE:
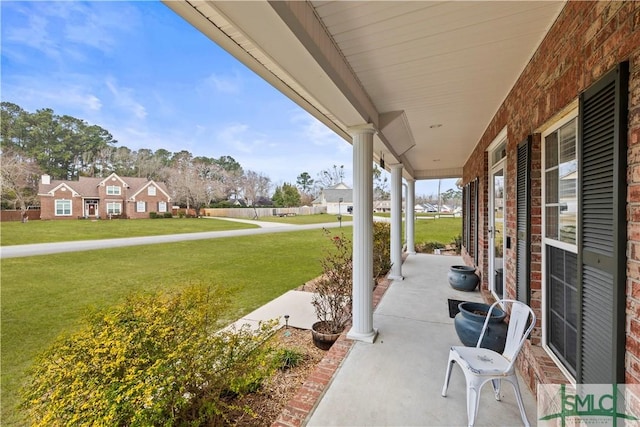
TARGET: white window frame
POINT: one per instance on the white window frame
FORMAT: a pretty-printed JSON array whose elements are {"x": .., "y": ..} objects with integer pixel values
[
  {"x": 65, "y": 201},
  {"x": 114, "y": 190},
  {"x": 162, "y": 207},
  {"x": 151, "y": 190},
  {"x": 500, "y": 141},
  {"x": 567, "y": 116},
  {"x": 141, "y": 206},
  {"x": 111, "y": 210}
]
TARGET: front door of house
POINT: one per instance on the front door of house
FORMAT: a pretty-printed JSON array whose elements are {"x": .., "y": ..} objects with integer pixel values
[{"x": 91, "y": 208}]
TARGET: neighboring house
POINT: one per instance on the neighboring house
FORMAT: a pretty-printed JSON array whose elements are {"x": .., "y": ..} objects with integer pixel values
[
  {"x": 382, "y": 205},
  {"x": 113, "y": 196},
  {"x": 336, "y": 199}
]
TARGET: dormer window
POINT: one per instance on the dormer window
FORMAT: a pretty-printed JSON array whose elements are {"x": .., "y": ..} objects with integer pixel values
[
  {"x": 151, "y": 190},
  {"x": 113, "y": 190}
]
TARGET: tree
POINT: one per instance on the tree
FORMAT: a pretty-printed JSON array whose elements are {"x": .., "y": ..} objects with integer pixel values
[
  {"x": 331, "y": 177},
  {"x": 18, "y": 180},
  {"x": 255, "y": 187},
  {"x": 305, "y": 182},
  {"x": 286, "y": 196},
  {"x": 14, "y": 127},
  {"x": 63, "y": 146},
  {"x": 195, "y": 183},
  {"x": 380, "y": 181},
  {"x": 453, "y": 195}
]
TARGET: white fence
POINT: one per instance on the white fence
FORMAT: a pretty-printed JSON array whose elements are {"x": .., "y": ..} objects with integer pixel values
[{"x": 262, "y": 212}]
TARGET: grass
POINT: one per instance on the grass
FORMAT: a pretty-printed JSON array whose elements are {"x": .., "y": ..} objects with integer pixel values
[
  {"x": 442, "y": 230},
  {"x": 306, "y": 219},
  {"x": 45, "y": 296},
  {"x": 17, "y": 233}
]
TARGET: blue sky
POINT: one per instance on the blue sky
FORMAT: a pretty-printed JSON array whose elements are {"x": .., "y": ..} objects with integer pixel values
[{"x": 144, "y": 74}]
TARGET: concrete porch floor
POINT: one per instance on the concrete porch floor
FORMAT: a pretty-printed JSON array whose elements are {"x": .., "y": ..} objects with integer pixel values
[{"x": 397, "y": 380}]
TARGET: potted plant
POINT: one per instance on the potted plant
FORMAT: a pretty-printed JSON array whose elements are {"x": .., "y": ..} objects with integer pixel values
[{"x": 333, "y": 297}]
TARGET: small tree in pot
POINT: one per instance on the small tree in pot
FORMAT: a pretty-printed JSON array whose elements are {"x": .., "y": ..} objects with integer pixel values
[{"x": 333, "y": 298}]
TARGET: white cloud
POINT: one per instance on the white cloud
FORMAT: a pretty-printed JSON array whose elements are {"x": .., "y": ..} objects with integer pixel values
[
  {"x": 124, "y": 98},
  {"x": 33, "y": 93},
  {"x": 34, "y": 34},
  {"x": 239, "y": 137},
  {"x": 224, "y": 83},
  {"x": 316, "y": 132}
]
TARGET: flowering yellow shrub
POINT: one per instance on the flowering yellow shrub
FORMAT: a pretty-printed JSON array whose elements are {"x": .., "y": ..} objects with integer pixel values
[{"x": 155, "y": 360}]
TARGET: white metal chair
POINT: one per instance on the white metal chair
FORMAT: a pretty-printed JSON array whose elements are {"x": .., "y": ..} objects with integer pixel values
[{"x": 481, "y": 364}]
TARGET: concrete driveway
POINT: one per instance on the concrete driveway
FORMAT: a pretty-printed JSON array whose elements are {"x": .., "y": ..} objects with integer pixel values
[{"x": 88, "y": 245}]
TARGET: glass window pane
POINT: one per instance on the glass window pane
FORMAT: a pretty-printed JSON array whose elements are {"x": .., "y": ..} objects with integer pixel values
[
  {"x": 551, "y": 186},
  {"x": 551, "y": 229},
  {"x": 557, "y": 333},
  {"x": 571, "y": 345},
  {"x": 557, "y": 295},
  {"x": 551, "y": 150},
  {"x": 567, "y": 228},
  {"x": 568, "y": 142}
]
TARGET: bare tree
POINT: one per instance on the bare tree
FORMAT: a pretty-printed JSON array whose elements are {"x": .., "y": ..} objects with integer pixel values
[
  {"x": 18, "y": 180},
  {"x": 330, "y": 177},
  {"x": 196, "y": 184},
  {"x": 255, "y": 186}
]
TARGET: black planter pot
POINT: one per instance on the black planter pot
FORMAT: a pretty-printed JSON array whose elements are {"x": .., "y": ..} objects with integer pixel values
[
  {"x": 463, "y": 278},
  {"x": 468, "y": 323},
  {"x": 323, "y": 340}
]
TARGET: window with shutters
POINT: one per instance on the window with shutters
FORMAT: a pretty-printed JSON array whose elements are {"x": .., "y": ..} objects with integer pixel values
[{"x": 559, "y": 222}]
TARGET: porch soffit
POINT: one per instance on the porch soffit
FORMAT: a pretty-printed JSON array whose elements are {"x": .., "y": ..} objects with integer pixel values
[{"x": 438, "y": 63}]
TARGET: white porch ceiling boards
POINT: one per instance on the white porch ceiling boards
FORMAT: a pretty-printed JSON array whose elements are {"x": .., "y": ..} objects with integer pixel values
[{"x": 347, "y": 63}]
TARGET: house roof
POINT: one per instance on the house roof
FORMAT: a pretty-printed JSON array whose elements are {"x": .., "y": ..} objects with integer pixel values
[
  {"x": 333, "y": 194},
  {"x": 89, "y": 186}
]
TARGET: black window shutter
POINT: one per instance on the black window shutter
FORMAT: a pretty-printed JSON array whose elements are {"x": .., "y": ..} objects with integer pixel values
[
  {"x": 465, "y": 217},
  {"x": 523, "y": 195},
  {"x": 474, "y": 224},
  {"x": 602, "y": 228}
]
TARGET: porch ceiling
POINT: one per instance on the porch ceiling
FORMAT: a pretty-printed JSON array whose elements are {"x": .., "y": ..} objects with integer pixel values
[{"x": 429, "y": 75}]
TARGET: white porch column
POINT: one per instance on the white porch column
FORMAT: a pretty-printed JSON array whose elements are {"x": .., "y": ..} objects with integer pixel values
[
  {"x": 362, "y": 326},
  {"x": 411, "y": 216},
  {"x": 396, "y": 222}
]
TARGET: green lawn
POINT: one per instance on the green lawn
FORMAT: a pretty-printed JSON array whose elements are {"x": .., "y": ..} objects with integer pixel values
[
  {"x": 17, "y": 233},
  {"x": 306, "y": 219},
  {"x": 43, "y": 296},
  {"x": 442, "y": 230},
  {"x": 429, "y": 229}
]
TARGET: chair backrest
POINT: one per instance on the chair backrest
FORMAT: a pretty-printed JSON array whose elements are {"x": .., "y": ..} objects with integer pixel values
[{"x": 522, "y": 320}]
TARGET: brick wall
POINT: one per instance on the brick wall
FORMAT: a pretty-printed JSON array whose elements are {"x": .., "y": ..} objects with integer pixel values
[{"x": 587, "y": 40}]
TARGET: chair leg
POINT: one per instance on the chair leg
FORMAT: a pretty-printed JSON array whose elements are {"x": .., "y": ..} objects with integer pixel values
[
  {"x": 447, "y": 376},
  {"x": 516, "y": 388},
  {"x": 496, "y": 388},
  {"x": 473, "y": 399}
]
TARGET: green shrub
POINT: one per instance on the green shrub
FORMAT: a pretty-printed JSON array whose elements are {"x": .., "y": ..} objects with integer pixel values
[
  {"x": 167, "y": 215},
  {"x": 381, "y": 248},
  {"x": 287, "y": 358},
  {"x": 153, "y": 215},
  {"x": 155, "y": 360},
  {"x": 457, "y": 244},
  {"x": 429, "y": 247}
]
